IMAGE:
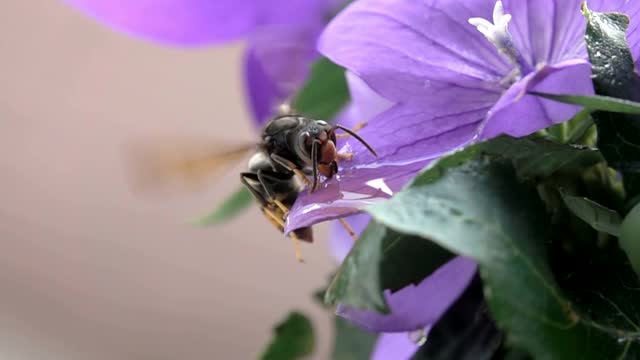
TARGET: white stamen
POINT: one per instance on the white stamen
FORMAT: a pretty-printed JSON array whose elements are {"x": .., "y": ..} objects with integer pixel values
[
  {"x": 498, "y": 34},
  {"x": 498, "y": 12}
]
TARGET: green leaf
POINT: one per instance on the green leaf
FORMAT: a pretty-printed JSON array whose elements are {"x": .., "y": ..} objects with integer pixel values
[
  {"x": 325, "y": 92},
  {"x": 230, "y": 208},
  {"x": 382, "y": 259},
  {"x": 604, "y": 293},
  {"x": 630, "y": 237},
  {"x": 350, "y": 342},
  {"x": 597, "y": 216},
  {"x": 596, "y": 102},
  {"x": 536, "y": 158},
  {"x": 480, "y": 209},
  {"x": 575, "y": 130},
  {"x": 614, "y": 75},
  {"x": 612, "y": 63},
  {"x": 293, "y": 339}
]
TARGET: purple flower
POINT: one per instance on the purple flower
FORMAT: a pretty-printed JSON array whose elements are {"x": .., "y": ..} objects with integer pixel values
[
  {"x": 281, "y": 34},
  {"x": 276, "y": 63},
  {"x": 413, "y": 308},
  {"x": 201, "y": 22},
  {"x": 416, "y": 307},
  {"x": 632, "y": 8},
  {"x": 457, "y": 71}
]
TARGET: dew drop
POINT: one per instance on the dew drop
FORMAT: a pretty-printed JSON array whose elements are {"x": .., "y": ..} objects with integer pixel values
[{"x": 418, "y": 337}]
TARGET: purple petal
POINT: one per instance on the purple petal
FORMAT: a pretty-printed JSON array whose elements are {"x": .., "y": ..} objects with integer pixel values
[
  {"x": 545, "y": 19},
  {"x": 632, "y": 8},
  {"x": 416, "y": 307},
  {"x": 552, "y": 31},
  {"x": 416, "y": 50},
  {"x": 365, "y": 103},
  {"x": 349, "y": 193},
  {"x": 519, "y": 114},
  {"x": 199, "y": 22},
  {"x": 425, "y": 52},
  {"x": 277, "y": 62},
  {"x": 406, "y": 140},
  {"x": 445, "y": 94},
  {"x": 340, "y": 240},
  {"x": 394, "y": 346}
]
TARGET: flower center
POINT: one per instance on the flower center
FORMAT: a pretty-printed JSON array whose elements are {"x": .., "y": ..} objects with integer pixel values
[{"x": 498, "y": 34}]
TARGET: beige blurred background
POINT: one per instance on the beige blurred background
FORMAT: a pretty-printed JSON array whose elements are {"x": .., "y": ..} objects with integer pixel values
[{"x": 89, "y": 271}]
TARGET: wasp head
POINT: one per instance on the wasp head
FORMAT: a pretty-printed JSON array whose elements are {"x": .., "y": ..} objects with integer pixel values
[{"x": 318, "y": 142}]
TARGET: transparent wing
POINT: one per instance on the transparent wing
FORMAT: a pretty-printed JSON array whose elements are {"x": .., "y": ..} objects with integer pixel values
[{"x": 184, "y": 164}]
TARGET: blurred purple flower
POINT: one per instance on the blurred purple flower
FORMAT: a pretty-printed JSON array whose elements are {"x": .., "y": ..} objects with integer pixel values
[
  {"x": 281, "y": 34},
  {"x": 413, "y": 308},
  {"x": 201, "y": 22},
  {"x": 457, "y": 71},
  {"x": 276, "y": 63}
]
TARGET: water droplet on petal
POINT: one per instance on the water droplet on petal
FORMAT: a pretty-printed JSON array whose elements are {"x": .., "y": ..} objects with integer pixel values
[{"x": 419, "y": 337}]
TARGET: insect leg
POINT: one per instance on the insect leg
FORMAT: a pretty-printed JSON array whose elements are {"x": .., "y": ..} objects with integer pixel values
[
  {"x": 348, "y": 228},
  {"x": 266, "y": 186},
  {"x": 292, "y": 235},
  {"x": 284, "y": 209},
  {"x": 356, "y": 128},
  {"x": 359, "y": 126},
  {"x": 274, "y": 183},
  {"x": 273, "y": 218},
  {"x": 257, "y": 193},
  {"x": 344, "y": 156},
  {"x": 270, "y": 182},
  {"x": 296, "y": 246},
  {"x": 277, "y": 220},
  {"x": 357, "y": 137},
  {"x": 291, "y": 167}
]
